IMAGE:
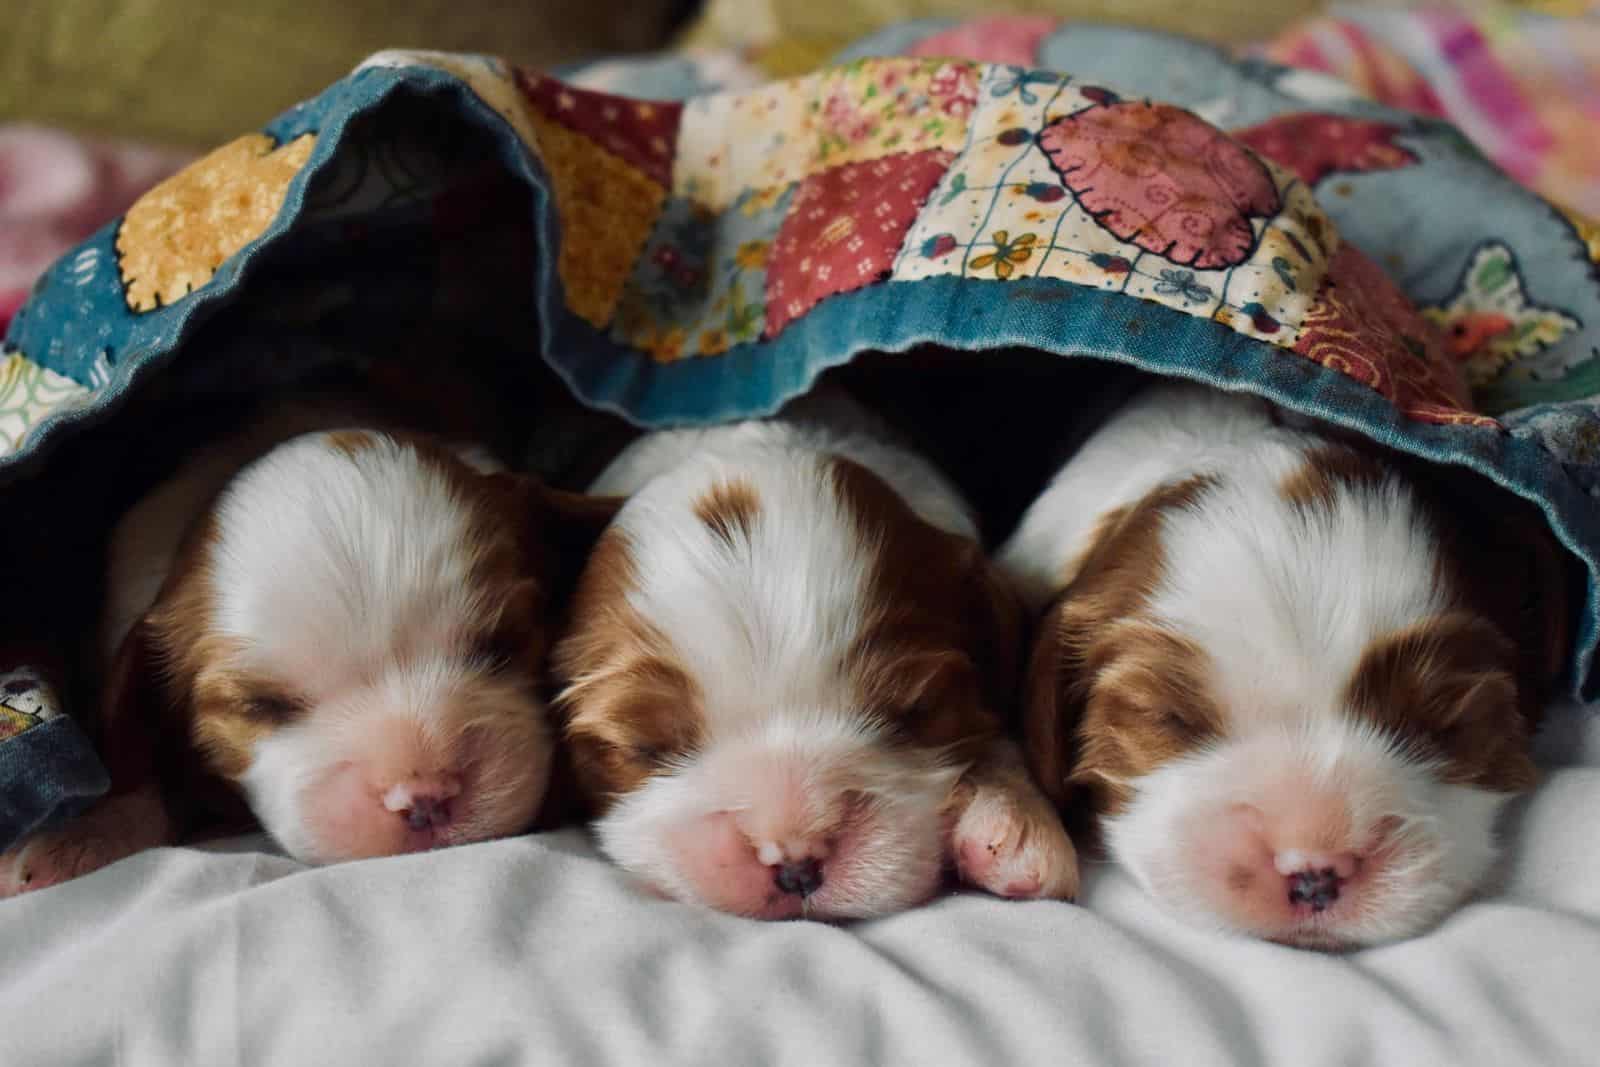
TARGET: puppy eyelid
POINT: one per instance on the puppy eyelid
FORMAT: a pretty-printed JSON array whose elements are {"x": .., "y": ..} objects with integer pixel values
[
  {"x": 274, "y": 707},
  {"x": 1178, "y": 721}
]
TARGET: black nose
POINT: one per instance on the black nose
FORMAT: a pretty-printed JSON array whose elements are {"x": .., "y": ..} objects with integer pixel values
[
  {"x": 802, "y": 878},
  {"x": 1317, "y": 888},
  {"x": 425, "y": 813}
]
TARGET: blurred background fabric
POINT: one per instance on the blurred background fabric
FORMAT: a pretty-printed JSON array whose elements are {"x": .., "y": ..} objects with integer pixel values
[{"x": 198, "y": 73}]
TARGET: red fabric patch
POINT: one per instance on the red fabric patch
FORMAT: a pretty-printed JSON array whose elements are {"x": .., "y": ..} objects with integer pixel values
[
  {"x": 11, "y": 303},
  {"x": 1363, "y": 327},
  {"x": 643, "y": 133},
  {"x": 1158, "y": 177},
  {"x": 1010, "y": 39},
  {"x": 1315, "y": 145},
  {"x": 844, "y": 228}
]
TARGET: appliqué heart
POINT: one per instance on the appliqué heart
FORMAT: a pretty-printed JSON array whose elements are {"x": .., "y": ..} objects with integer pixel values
[{"x": 1158, "y": 177}]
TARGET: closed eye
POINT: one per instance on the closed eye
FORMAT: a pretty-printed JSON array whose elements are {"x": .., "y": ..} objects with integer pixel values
[
  {"x": 1179, "y": 724},
  {"x": 275, "y": 707}
]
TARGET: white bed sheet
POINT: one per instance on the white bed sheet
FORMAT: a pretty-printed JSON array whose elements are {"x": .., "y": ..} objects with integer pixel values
[{"x": 535, "y": 951}]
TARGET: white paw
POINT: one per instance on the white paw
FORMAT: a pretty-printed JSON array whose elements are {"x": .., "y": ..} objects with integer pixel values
[{"x": 1010, "y": 842}]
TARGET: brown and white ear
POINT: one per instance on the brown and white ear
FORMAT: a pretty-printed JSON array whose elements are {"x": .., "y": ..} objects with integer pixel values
[
  {"x": 133, "y": 710},
  {"x": 1513, "y": 570},
  {"x": 1051, "y": 706}
]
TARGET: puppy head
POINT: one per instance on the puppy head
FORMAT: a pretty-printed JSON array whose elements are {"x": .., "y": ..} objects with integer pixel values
[
  {"x": 1290, "y": 722},
  {"x": 774, "y": 680},
  {"x": 352, "y": 637}
]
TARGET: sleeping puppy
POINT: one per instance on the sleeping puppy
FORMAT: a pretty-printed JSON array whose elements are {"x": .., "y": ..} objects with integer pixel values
[
  {"x": 1294, "y": 682},
  {"x": 345, "y": 627},
  {"x": 785, "y": 681}
]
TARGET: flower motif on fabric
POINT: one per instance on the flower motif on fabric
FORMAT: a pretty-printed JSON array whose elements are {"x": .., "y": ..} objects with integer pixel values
[
  {"x": 698, "y": 290},
  {"x": 1008, "y": 253},
  {"x": 1160, "y": 178},
  {"x": 1490, "y": 323},
  {"x": 1182, "y": 284},
  {"x": 876, "y": 106},
  {"x": 1021, "y": 81}
]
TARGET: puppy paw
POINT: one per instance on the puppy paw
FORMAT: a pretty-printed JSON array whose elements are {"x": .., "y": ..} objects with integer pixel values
[
  {"x": 116, "y": 827},
  {"x": 1014, "y": 846},
  {"x": 1009, "y": 841}
]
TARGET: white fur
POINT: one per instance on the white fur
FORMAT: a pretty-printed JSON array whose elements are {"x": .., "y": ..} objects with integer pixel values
[
  {"x": 1283, "y": 601},
  {"x": 349, "y": 578},
  {"x": 764, "y": 629}
]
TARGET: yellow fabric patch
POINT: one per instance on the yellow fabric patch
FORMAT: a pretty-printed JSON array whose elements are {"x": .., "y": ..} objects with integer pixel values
[
  {"x": 175, "y": 237},
  {"x": 607, "y": 208},
  {"x": 1588, "y": 232},
  {"x": 14, "y": 722}
]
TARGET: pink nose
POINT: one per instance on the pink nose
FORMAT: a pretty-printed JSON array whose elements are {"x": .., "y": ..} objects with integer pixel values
[{"x": 423, "y": 801}]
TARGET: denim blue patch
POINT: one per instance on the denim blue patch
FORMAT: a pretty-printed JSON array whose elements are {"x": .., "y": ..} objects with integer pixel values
[{"x": 47, "y": 773}]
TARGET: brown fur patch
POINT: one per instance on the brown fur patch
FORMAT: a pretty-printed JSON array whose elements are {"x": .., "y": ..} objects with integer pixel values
[
  {"x": 352, "y": 442},
  {"x": 1446, "y": 685},
  {"x": 1316, "y": 481},
  {"x": 1110, "y": 696},
  {"x": 626, "y": 703},
  {"x": 729, "y": 509},
  {"x": 940, "y": 652}
]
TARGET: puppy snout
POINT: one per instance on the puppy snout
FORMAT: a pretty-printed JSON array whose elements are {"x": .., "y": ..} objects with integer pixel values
[
  {"x": 798, "y": 878},
  {"x": 423, "y": 802},
  {"x": 426, "y": 813},
  {"x": 1315, "y": 880},
  {"x": 1317, "y": 889}
]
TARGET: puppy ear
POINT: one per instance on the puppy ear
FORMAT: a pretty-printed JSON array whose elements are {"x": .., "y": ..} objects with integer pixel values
[
  {"x": 133, "y": 711},
  {"x": 1051, "y": 706},
  {"x": 1513, "y": 571},
  {"x": 1002, "y": 637}
]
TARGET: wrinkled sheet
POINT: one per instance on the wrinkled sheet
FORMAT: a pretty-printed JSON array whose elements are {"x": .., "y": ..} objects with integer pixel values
[{"x": 535, "y": 950}]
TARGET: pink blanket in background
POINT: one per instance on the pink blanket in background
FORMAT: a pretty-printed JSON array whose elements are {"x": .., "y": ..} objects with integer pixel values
[
  {"x": 55, "y": 190},
  {"x": 1519, "y": 80}
]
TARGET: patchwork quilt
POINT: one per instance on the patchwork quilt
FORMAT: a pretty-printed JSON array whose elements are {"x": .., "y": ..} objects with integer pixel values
[{"x": 685, "y": 242}]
